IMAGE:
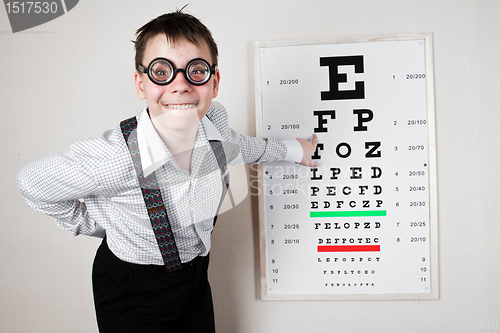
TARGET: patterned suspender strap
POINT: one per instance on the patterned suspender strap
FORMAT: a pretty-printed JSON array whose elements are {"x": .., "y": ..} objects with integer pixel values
[
  {"x": 153, "y": 200},
  {"x": 221, "y": 160}
]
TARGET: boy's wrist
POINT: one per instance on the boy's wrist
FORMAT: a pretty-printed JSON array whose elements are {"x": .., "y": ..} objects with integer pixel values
[{"x": 294, "y": 152}]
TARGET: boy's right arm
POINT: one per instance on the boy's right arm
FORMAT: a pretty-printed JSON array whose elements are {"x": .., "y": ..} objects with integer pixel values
[{"x": 54, "y": 186}]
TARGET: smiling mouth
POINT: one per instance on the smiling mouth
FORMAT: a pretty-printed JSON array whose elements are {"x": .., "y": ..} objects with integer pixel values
[{"x": 180, "y": 106}]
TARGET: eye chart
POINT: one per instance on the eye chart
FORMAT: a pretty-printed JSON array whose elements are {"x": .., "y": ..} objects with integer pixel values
[{"x": 363, "y": 224}]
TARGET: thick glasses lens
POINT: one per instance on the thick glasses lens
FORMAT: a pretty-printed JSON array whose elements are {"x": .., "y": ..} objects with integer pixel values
[
  {"x": 161, "y": 71},
  {"x": 198, "y": 71}
]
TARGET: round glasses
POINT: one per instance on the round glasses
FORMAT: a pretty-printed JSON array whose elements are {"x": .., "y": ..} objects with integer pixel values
[{"x": 162, "y": 72}]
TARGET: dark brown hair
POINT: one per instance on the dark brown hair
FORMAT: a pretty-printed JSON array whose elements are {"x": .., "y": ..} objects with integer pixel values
[{"x": 175, "y": 26}]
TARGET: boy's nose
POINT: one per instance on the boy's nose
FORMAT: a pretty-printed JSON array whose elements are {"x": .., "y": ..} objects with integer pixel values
[{"x": 179, "y": 84}]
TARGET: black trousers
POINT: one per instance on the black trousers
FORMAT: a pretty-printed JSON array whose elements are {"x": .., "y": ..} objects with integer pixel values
[{"x": 147, "y": 298}]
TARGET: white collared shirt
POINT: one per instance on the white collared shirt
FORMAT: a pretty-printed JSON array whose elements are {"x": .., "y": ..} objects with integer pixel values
[{"x": 153, "y": 152}]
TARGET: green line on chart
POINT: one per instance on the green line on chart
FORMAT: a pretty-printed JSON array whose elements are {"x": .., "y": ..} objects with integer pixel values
[{"x": 350, "y": 213}]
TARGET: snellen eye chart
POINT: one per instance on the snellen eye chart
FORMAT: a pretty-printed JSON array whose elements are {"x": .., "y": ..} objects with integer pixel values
[{"x": 363, "y": 223}]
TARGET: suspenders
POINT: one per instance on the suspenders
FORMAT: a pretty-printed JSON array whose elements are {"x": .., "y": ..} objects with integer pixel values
[{"x": 152, "y": 195}]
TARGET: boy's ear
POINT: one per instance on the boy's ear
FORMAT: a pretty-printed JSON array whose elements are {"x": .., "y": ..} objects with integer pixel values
[
  {"x": 216, "y": 83},
  {"x": 139, "y": 85}
]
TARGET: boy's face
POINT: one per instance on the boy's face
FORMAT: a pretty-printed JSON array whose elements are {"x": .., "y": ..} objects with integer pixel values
[{"x": 179, "y": 104}]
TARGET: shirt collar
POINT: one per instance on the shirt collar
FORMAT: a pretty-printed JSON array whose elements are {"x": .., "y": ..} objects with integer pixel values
[{"x": 153, "y": 151}]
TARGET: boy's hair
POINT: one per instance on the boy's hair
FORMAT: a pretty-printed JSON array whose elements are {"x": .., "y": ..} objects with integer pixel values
[{"x": 175, "y": 26}]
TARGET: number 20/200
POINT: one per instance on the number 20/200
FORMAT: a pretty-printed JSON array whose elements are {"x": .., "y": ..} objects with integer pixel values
[
  {"x": 415, "y": 76},
  {"x": 294, "y": 81}
]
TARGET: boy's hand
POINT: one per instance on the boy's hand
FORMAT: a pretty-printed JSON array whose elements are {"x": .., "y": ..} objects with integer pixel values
[{"x": 309, "y": 148}]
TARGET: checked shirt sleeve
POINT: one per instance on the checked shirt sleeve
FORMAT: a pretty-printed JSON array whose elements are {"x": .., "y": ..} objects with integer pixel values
[
  {"x": 255, "y": 150},
  {"x": 56, "y": 184},
  {"x": 252, "y": 150}
]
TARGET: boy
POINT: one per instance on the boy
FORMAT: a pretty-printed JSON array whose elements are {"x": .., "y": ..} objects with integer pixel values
[{"x": 153, "y": 185}]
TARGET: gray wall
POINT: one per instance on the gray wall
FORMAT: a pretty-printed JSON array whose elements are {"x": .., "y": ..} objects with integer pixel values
[{"x": 72, "y": 78}]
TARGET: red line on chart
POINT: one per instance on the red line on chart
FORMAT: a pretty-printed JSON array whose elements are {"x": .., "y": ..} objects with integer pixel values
[{"x": 349, "y": 248}]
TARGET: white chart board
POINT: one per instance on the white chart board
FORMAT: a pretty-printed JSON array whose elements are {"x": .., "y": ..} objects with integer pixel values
[{"x": 363, "y": 224}]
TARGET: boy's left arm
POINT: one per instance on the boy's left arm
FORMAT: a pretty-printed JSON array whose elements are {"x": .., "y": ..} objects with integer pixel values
[{"x": 253, "y": 150}]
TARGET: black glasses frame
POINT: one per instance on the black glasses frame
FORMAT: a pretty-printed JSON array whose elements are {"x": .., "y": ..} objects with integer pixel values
[{"x": 147, "y": 70}]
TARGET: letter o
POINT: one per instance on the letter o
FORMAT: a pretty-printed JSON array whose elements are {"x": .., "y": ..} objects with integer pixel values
[{"x": 347, "y": 154}]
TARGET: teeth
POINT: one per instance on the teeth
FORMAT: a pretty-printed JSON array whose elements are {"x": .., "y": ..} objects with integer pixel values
[{"x": 180, "y": 106}]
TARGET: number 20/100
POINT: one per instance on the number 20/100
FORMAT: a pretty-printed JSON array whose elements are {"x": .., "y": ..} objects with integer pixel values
[{"x": 38, "y": 7}]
